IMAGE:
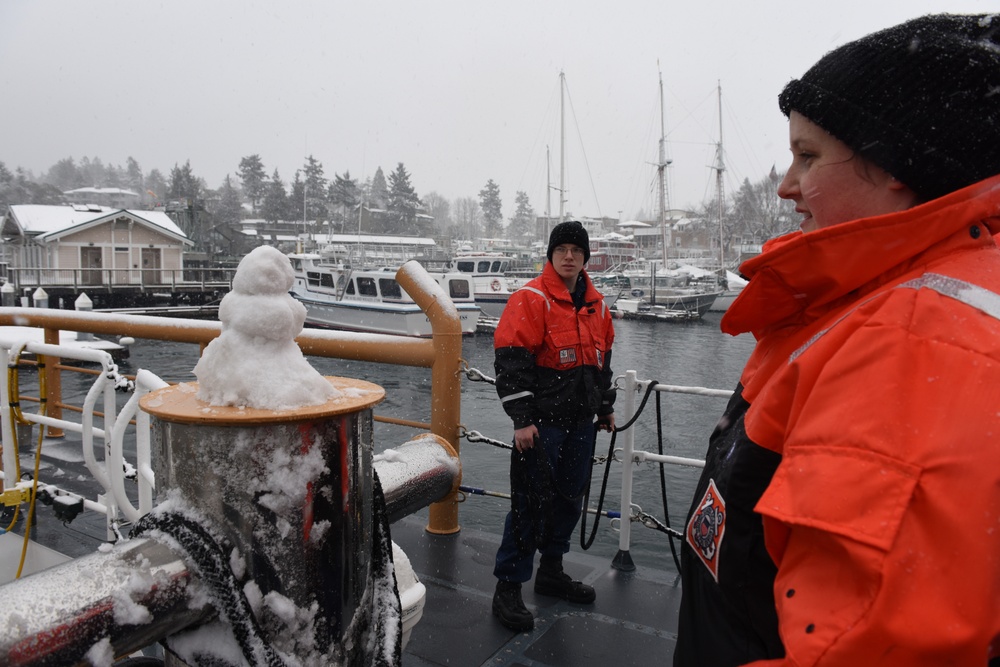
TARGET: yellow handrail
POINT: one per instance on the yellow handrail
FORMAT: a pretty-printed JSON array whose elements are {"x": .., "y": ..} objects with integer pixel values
[{"x": 442, "y": 353}]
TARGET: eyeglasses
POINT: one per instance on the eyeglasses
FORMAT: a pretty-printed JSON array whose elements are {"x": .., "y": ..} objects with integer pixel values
[{"x": 574, "y": 250}]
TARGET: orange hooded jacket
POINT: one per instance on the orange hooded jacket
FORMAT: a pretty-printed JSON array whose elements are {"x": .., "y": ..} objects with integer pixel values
[{"x": 876, "y": 376}]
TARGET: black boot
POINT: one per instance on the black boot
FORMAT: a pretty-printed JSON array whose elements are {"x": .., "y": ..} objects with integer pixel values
[
  {"x": 509, "y": 607},
  {"x": 551, "y": 580}
]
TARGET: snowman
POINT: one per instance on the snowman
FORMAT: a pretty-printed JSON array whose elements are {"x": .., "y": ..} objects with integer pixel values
[{"x": 255, "y": 362}]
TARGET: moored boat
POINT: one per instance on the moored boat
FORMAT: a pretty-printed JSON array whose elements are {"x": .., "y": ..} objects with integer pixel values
[
  {"x": 489, "y": 273},
  {"x": 337, "y": 296}
]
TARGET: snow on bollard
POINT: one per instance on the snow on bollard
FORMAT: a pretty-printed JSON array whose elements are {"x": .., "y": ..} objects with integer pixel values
[
  {"x": 83, "y": 303},
  {"x": 279, "y": 460}
]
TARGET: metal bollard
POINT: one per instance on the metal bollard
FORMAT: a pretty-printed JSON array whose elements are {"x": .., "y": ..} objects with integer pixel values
[{"x": 289, "y": 488}]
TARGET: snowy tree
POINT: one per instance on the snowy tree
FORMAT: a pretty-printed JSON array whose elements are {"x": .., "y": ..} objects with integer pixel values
[
  {"x": 345, "y": 196},
  {"x": 315, "y": 189},
  {"x": 489, "y": 201},
  {"x": 403, "y": 202},
  {"x": 182, "y": 183},
  {"x": 64, "y": 175},
  {"x": 296, "y": 209},
  {"x": 522, "y": 222},
  {"x": 378, "y": 193},
  {"x": 275, "y": 203},
  {"x": 468, "y": 218},
  {"x": 133, "y": 175},
  {"x": 229, "y": 209},
  {"x": 254, "y": 179},
  {"x": 758, "y": 213},
  {"x": 440, "y": 209}
]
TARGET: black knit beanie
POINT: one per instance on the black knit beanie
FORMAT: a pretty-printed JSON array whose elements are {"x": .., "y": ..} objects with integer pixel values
[
  {"x": 573, "y": 232},
  {"x": 920, "y": 99}
]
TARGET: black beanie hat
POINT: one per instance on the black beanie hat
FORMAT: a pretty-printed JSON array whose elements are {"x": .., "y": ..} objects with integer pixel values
[
  {"x": 570, "y": 231},
  {"x": 920, "y": 100}
]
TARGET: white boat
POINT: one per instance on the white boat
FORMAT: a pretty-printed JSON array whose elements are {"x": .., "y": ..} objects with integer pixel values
[
  {"x": 489, "y": 273},
  {"x": 674, "y": 289},
  {"x": 337, "y": 296}
]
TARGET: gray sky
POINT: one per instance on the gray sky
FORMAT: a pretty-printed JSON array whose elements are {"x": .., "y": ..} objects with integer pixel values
[{"x": 458, "y": 91}]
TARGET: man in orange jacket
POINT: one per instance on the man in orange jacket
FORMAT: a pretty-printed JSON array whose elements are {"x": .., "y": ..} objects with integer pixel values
[
  {"x": 553, "y": 365},
  {"x": 849, "y": 510}
]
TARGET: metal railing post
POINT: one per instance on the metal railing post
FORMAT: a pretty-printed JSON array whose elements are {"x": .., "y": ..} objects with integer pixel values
[
  {"x": 53, "y": 382},
  {"x": 446, "y": 396}
]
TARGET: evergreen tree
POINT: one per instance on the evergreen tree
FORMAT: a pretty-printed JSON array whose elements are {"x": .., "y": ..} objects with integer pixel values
[
  {"x": 378, "y": 193},
  {"x": 133, "y": 176},
  {"x": 275, "y": 202},
  {"x": 523, "y": 221},
  {"x": 254, "y": 179},
  {"x": 64, "y": 175},
  {"x": 183, "y": 185},
  {"x": 230, "y": 208},
  {"x": 403, "y": 202},
  {"x": 489, "y": 201},
  {"x": 315, "y": 190},
  {"x": 296, "y": 199},
  {"x": 345, "y": 195},
  {"x": 93, "y": 172}
]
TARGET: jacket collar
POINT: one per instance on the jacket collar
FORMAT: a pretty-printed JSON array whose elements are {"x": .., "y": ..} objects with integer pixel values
[
  {"x": 799, "y": 277},
  {"x": 555, "y": 286}
]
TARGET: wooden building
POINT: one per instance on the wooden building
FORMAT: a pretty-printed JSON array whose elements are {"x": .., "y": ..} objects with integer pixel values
[{"x": 101, "y": 250}]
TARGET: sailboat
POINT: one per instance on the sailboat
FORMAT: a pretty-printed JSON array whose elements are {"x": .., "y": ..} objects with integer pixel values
[{"x": 654, "y": 288}]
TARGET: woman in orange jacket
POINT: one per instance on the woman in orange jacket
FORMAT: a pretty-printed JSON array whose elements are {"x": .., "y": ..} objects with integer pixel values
[{"x": 849, "y": 511}]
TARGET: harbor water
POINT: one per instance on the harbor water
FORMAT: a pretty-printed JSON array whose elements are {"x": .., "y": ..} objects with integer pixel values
[{"x": 680, "y": 353}]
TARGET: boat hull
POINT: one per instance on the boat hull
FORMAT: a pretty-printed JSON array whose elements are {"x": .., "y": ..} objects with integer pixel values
[{"x": 377, "y": 318}]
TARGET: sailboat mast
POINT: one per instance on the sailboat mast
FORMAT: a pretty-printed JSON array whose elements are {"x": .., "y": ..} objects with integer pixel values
[
  {"x": 562, "y": 145},
  {"x": 719, "y": 168},
  {"x": 661, "y": 170},
  {"x": 548, "y": 193}
]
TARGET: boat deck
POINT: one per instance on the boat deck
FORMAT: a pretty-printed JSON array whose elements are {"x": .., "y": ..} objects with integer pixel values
[{"x": 633, "y": 621}]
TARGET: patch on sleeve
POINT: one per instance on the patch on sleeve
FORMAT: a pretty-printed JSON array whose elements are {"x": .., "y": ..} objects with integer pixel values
[
  {"x": 567, "y": 355},
  {"x": 707, "y": 527}
]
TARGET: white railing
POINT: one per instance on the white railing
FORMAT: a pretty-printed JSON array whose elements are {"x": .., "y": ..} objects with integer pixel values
[
  {"x": 632, "y": 388},
  {"x": 110, "y": 471}
]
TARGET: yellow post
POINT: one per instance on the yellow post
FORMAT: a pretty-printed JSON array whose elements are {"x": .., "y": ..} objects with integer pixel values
[
  {"x": 53, "y": 382},
  {"x": 446, "y": 395}
]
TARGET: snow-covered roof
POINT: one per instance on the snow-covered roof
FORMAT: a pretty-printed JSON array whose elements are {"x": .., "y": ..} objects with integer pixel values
[
  {"x": 48, "y": 222},
  {"x": 101, "y": 191}
]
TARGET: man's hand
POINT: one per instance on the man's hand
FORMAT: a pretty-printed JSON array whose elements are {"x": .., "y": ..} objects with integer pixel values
[
  {"x": 524, "y": 438},
  {"x": 606, "y": 423}
]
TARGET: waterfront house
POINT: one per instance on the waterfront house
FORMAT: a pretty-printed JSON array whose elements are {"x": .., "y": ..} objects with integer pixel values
[{"x": 79, "y": 246}]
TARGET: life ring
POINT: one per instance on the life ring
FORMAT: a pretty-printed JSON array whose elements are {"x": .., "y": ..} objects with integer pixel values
[
  {"x": 637, "y": 292},
  {"x": 495, "y": 285}
]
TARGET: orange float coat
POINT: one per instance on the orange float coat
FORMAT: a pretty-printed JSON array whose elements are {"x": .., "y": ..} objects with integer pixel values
[
  {"x": 876, "y": 377},
  {"x": 553, "y": 360}
]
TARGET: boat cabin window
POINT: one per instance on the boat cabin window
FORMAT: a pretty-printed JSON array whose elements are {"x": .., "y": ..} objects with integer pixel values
[
  {"x": 496, "y": 267},
  {"x": 467, "y": 267},
  {"x": 390, "y": 288},
  {"x": 326, "y": 280},
  {"x": 350, "y": 287},
  {"x": 484, "y": 267},
  {"x": 313, "y": 278},
  {"x": 459, "y": 289},
  {"x": 296, "y": 264},
  {"x": 366, "y": 287}
]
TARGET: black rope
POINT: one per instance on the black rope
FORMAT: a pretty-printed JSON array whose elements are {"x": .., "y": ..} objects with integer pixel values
[
  {"x": 585, "y": 543},
  {"x": 213, "y": 568},
  {"x": 663, "y": 485}
]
